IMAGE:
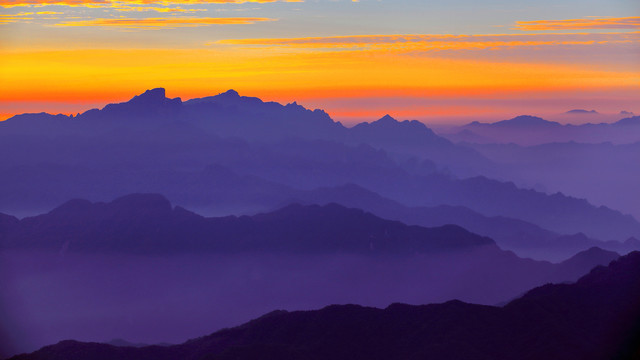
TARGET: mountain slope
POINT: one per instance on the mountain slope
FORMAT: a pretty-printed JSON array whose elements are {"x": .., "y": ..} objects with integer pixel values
[{"x": 595, "y": 318}]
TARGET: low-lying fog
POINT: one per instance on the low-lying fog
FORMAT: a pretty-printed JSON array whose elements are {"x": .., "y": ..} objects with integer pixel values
[{"x": 48, "y": 297}]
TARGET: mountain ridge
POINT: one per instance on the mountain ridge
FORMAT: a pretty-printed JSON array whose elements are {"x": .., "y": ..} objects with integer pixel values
[
  {"x": 173, "y": 156},
  {"x": 147, "y": 223}
]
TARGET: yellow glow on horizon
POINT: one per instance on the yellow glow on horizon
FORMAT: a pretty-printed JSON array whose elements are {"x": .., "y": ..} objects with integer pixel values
[
  {"x": 101, "y": 76},
  {"x": 65, "y": 74}
]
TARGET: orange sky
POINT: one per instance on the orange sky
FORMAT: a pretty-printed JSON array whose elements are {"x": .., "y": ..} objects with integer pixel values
[{"x": 533, "y": 66}]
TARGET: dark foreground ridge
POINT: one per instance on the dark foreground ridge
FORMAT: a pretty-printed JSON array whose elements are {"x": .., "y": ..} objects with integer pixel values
[
  {"x": 597, "y": 317},
  {"x": 147, "y": 223}
]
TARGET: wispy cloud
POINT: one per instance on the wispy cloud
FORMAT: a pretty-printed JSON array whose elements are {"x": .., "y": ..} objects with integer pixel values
[
  {"x": 156, "y": 9},
  {"x": 10, "y": 18},
  {"x": 112, "y": 3},
  {"x": 164, "y": 23},
  {"x": 577, "y": 24},
  {"x": 436, "y": 42}
]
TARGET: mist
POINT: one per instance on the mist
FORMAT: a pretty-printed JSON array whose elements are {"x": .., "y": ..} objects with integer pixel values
[{"x": 49, "y": 297}]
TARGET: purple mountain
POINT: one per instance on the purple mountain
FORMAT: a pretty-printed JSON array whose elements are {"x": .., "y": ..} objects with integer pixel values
[{"x": 262, "y": 152}]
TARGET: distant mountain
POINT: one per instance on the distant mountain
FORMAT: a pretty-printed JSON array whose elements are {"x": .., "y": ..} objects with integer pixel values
[
  {"x": 147, "y": 223},
  {"x": 575, "y": 265},
  {"x": 230, "y": 154},
  {"x": 524, "y": 238},
  {"x": 418, "y": 141},
  {"x": 529, "y": 130},
  {"x": 231, "y": 115},
  {"x": 629, "y": 121},
  {"x": 523, "y": 121},
  {"x": 581, "y": 111},
  {"x": 594, "y": 318},
  {"x": 603, "y": 173},
  {"x": 557, "y": 212}
]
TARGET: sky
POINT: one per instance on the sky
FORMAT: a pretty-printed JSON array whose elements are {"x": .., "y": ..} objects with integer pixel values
[{"x": 437, "y": 61}]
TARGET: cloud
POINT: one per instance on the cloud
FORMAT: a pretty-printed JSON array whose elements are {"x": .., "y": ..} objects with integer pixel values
[
  {"x": 156, "y": 9},
  {"x": 577, "y": 24},
  {"x": 25, "y": 16},
  {"x": 157, "y": 23},
  {"x": 116, "y": 3},
  {"x": 437, "y": 42},
  {"x": 10, "y": 18}
]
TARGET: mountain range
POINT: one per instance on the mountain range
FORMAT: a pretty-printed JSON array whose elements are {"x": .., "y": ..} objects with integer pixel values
[
  {"x": 524, "y": 238},
  {"x": 233, "y": 154},
  {"x": 604, "y": 173},
  {"x": 147, "y": 223},
  {"x": 300, "y": 212},
  {"x": 170, "y": 272}
]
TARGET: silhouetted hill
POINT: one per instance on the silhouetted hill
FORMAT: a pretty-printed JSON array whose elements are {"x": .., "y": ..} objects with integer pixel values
[
  {"x": 231, "y": 115},
  {"x": 522, "y": 121},
  {"x": 147, "y": 223},
  {"x": 594, "y": 318},
  {"x": 151, "y": 106}
]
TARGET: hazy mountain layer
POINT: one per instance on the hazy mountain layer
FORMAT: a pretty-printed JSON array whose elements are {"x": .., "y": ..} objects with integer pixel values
[
  {"x": 604, "y": 173},
  {"x": 524, "y": 238},
  {"x": 183, "y": 150},
  {"x": 531, "y": 130},
  {"x": 148, "y": 224},
  {"x": 595, "y": 318}
]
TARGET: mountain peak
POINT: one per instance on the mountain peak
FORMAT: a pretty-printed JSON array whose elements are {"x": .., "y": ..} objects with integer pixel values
[
  {"x": 526, "y": 120},
  {"x": 387, "y": 119},
  {"x": 151, "y": 95},
  {"x": 230, "y": 94},
  {"x": 593, "y": 254},
  {"x": 581, "y": 111}
]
